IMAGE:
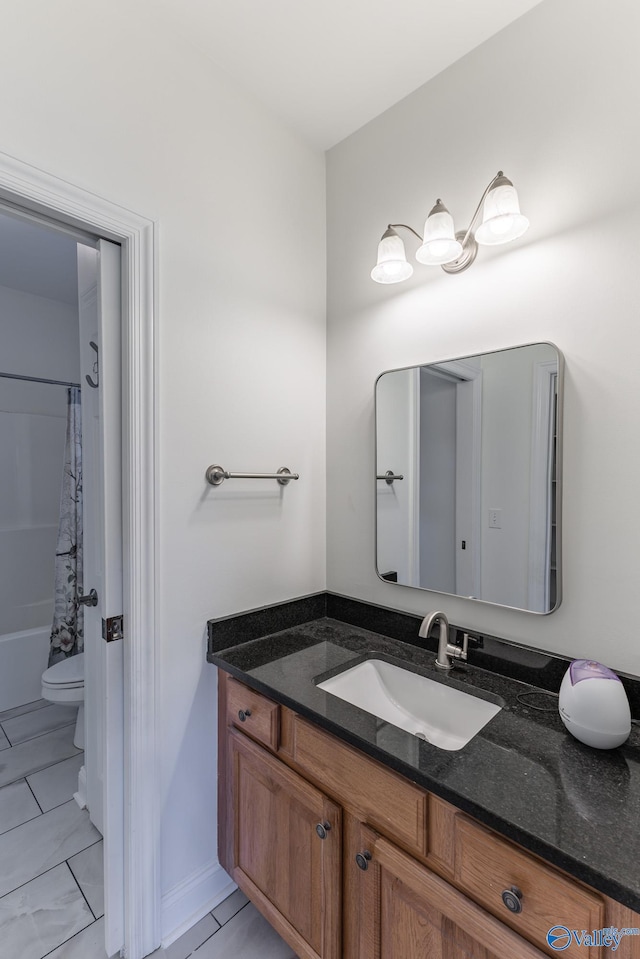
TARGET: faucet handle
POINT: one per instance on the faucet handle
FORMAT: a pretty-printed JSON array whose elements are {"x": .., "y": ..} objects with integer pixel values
[
  {"x": 460, "y": 652},
  {"x": 475, "y": 640},
  {"x": 464, "y": 639}
]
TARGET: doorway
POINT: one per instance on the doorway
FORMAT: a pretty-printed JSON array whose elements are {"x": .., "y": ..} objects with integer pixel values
[
  {"x": 449, "y": 486},
  {"x": 35, "y": 194}
]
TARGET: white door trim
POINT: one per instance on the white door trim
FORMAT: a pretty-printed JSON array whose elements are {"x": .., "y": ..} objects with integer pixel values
[
  {"x": 540, "y": 516},
  {"x": 413, "y": 481},
  {"x": 471, "y": 420},
  {"x": 35, "y": 190},
  {"x": 463, "y": 371}
]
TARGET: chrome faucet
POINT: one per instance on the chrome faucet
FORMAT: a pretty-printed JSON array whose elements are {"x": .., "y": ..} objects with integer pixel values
[{"x": 446, "y": 651}]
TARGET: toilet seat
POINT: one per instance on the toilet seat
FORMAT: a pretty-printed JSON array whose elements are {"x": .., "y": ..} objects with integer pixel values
[
  {"x": 55, "y": 685},
  {"x": 66, "y": 674}
]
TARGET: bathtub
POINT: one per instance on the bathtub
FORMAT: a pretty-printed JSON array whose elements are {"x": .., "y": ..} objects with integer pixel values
[{"x": 23, "y": 659}]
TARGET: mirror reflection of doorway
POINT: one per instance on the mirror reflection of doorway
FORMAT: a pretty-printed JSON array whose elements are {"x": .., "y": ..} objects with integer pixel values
[{"x": 449, "y": 471}]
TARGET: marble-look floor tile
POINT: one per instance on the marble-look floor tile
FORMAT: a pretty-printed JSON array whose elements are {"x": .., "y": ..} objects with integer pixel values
[
  {"x": 246, "y": 936},
  {"x": 57, "y": 783},
  {"x": 186, "y": 945},
  {"x": 88, "y": 868},
  {"x": 229, "y": 906},
  {"x": 31, "y": 849},
  {"x": 88, "y": 944},
  {"x": 38, "y": 722},
  {"x": 29, "y": 757},
  {"x": 17, "y": 805},
  {"x": 41, "y": 914},
  {"x": 27, "y": 708},
  {"x": 4, "y": 742}
]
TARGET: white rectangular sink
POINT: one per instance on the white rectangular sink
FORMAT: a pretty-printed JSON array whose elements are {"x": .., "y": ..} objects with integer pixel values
[{"x": 444, "y": 716}]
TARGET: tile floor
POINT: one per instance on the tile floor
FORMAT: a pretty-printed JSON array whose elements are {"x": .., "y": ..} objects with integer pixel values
[{"x": 51, "y": 895}]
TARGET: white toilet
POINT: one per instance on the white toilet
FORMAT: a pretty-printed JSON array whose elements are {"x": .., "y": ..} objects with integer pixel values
[{"x": 64, "y": 683}]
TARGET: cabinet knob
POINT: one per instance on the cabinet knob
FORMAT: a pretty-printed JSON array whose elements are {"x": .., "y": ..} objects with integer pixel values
[
  {"x": 243, "y": 714},
  {"x": 322, "y": 829},
  {"x": 512, "y": 898},
  {"x": 363, "y": 859}
]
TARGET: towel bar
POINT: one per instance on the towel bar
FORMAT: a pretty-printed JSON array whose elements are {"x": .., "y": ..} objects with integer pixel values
[
  {"x": 216, "y": 475},
  {"x": 390, "y": 476}
]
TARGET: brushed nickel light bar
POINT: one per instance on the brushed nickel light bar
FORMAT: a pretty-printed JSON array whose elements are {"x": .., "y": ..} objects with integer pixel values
[{"x": 502, "y": 222}]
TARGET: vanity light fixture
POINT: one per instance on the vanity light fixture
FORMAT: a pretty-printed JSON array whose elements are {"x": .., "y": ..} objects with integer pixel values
[{"x": 502, "y": 222}]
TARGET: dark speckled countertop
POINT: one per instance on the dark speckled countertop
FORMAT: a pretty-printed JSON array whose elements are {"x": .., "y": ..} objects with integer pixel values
[{"x": 522, "y": 775}]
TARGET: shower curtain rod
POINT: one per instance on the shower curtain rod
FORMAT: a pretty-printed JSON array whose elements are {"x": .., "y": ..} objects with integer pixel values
[{"x": 38, "y": 379}]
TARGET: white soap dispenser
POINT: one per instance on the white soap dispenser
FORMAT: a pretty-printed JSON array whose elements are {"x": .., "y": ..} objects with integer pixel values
[{"x": 593, "y": 705}]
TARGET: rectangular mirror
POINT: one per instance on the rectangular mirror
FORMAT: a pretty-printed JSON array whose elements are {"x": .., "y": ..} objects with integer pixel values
[{"x": 468, "y": 457}]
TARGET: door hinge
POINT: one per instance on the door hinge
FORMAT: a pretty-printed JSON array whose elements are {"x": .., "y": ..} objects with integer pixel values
[{"x": 113, "y": 628}]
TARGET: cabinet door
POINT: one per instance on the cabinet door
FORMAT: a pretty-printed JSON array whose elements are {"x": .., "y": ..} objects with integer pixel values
[
  {"x": 404, "y": 911},
  {"x": 286, "y": 850}
]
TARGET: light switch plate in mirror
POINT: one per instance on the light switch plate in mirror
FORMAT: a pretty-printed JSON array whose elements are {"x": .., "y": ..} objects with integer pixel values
[{"x": 475, "y": 446}]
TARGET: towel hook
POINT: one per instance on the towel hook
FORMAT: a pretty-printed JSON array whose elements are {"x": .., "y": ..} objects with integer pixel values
[{"x": 95, "y": 368}]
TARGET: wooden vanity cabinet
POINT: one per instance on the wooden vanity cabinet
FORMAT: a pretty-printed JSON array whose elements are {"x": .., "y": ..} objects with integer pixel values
[
  {"x": 486, "y": 865},
  {"x": 396, "y": 908},
  {"x": 287, "y": 849},
  {"x": 252, "y": 713},
  {"x": 348, "y": 859}
]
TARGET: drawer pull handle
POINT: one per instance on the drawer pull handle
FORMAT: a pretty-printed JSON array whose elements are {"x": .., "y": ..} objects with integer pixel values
[
  {"x": 322, "y": 829},
  {"x": 243, "y": 714},
  {"x": 512, "y": 898},
  {"x": 363, "y": 859}
]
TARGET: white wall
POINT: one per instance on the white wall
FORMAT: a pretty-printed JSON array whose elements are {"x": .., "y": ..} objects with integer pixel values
[
  {"x": 124, "y": 108},
  {"x": 39, "y": 337},
  {"x": 553, "y": 101}
]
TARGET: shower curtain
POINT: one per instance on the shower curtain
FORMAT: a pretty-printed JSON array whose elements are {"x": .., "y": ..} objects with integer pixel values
[{"x": 67, "y": 631}]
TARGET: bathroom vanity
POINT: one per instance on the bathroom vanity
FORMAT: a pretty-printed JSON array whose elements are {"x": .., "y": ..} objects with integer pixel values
[{"x": 357, "y": 839}]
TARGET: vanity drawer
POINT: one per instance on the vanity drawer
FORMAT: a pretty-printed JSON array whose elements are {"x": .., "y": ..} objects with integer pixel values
[
  {"x": 253, "y": 713},
  {"x": 486, "y": 865},
  {"x": 377, "y": 795}
]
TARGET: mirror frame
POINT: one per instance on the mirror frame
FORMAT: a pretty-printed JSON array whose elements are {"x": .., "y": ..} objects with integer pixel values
[{"x": 558, "y": 478}]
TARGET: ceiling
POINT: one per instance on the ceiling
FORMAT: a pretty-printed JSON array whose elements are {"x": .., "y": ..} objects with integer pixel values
[{"x": 329, "y": 67}]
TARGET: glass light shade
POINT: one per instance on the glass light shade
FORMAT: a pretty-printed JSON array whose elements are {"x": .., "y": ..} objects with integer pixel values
[
  {"x": 392, "y": 265},
  {"x": 439, "y": 244},
  {"x": 501, "y": 217}
]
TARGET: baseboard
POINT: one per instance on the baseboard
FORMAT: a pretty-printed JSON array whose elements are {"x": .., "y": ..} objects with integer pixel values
[
  {"x": 81, "y": 795},
  {"x": 190, "y": 900}
]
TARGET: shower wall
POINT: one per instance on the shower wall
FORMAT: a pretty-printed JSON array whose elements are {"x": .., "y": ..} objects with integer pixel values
[
  {"x": 32, "y": 432},
  {"x": 39, "y": 337}
]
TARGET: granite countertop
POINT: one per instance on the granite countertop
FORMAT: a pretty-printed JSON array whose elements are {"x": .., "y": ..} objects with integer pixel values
[{"x": 522, "y": 774}]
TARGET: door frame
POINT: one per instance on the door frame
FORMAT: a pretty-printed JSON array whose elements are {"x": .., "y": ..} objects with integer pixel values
[
  {"x": 545, "y": 389},
  {"x": 465, "y": 372},
  {"x": 34, "y": 190}
]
